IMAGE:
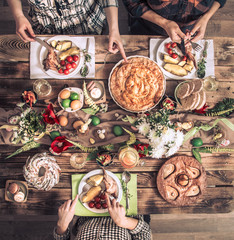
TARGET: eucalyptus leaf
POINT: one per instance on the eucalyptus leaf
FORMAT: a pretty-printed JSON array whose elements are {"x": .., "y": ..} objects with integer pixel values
[{"x": 196, "y": 154}]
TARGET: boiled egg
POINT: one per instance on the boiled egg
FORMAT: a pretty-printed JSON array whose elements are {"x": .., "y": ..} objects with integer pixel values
[
  {"x": 63, "y": 121},
  {"x": 65, "y": 94},
  {"x": 76, "y": 104}
]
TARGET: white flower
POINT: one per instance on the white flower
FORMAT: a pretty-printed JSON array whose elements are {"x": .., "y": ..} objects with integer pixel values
[
  {"x": 168, "y": 136},
  {"x": 172, "y": 151},
  {"x": 179, "y": 138},
  {"x": 158, "y": 152},
  {"x": 153, "y": 137},
  {"x": 143, "y": 128}
]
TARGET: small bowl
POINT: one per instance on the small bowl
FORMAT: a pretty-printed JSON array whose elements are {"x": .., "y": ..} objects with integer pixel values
[
  {"x": 172, "y": 99},
  {"x": 102, "y": 153},
  {"x": 72, "y": 89},
  {"x": 22, "y": 99}
]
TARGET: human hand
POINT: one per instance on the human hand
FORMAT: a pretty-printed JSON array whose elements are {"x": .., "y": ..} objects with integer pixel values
[
  {"x": 174, "y": 32},
  {"x": 199, "y": 28},
  {"x": 65, "y": 214},
  {"x": 117, "y": 213},
  {"x": 24, "y": 29},
  {"x": 115, "y": 44}
]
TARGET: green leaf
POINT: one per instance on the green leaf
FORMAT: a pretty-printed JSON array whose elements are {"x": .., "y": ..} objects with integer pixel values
[
  {"x": 92, "y": 156},
  {"x": 196, "y": 154},
  {"x": 108, "y": 147},
  {"x": 90, "y": 111},
  {"x": 203, "y": 150}
]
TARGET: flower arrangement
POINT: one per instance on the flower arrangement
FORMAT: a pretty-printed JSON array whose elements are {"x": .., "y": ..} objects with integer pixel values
[{"x": 161, "y": 133}]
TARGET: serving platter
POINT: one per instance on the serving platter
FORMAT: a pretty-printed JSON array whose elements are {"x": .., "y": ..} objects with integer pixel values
[
  {"x": 56, "y": 74},
  {"x": 83, "y": 186}
]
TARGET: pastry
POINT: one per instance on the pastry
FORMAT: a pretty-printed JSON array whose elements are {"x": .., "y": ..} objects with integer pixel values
[
  {"x": 137, "y": 85},
  {"x": 19, "y": 197}
]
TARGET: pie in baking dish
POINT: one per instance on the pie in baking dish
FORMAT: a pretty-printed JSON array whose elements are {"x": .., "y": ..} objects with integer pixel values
[{"x": 137, "y": 85}]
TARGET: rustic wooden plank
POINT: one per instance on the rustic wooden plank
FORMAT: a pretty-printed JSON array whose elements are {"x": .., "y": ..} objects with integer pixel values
[{"x": 215, "y": 200}]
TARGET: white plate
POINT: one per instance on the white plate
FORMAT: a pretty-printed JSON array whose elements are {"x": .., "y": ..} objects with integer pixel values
[
  {"x": 76, "y": 90},
  {"x": 159, "y": 57},
  {"x": 55, "y": 74},
  {"x": 120, "y": 62},
  {"x": 96, "y": 172}
]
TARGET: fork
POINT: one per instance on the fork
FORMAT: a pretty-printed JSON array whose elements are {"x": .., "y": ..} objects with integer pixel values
[{"x": 196, "y": 46}]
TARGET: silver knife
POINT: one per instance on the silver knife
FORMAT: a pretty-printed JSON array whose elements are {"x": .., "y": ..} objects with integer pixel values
[{"x": 42, "y": 42}]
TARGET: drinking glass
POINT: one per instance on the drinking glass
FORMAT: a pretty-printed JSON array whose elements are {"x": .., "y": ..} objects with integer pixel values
[
  {"x": 128, "y": 157},
  {"x": 77, "y": 160},
  {"x": 210, "y": 83},
  {"x": 42, "y": 87}
]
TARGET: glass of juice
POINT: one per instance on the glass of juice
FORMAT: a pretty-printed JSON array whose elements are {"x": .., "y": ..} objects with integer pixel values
[{"x": 128, "y": 157}]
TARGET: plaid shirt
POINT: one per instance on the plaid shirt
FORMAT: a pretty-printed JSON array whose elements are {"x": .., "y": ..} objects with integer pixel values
[
  {"x": 180, "y": 11},
  {"x": 69, "y": 16},
  {"x": 103, "y": 228}
]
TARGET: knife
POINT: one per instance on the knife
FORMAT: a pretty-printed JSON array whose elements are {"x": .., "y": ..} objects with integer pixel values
[{"x": 42, "y": 42}]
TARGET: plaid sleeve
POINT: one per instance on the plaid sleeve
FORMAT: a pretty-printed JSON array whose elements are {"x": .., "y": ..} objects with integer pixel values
[
  {"x": 64, "y": 236},
  {"x": 141, "y": 231},
  {"x": 221, "y": 2},
  {"x": 110, "y": 3},
  {"x": 136, "y": 7}
]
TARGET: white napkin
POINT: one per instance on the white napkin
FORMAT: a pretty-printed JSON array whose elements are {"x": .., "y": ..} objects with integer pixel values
[
  {"x": 37, "y": 71},
  {"x": 210, "y": 70}
]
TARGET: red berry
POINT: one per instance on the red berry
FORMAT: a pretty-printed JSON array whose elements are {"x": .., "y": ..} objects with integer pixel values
[
  {"x": 174, "y": 55},
  {"x": 68, "y": 66},
  {"x": 103, "y": 196},
  {"x": 97, "y": 199},
  {"x": 91, "y": 204},
  {"x": 98, "y": 205},
  {"x": 168, "y": 45},
  {"x": 170, "y": 51},
  {"x": 60, "y": 70},
  {"x": 75, "y": 58},
  {"x": 69, "y": 59},
  {"x": 62, "y": 62},
  {"x": 66, "y": 71},
  {"x": 104, "y": 205},
  {"x": 173, "y": 45},
  {"x": 74, "y": 65}
]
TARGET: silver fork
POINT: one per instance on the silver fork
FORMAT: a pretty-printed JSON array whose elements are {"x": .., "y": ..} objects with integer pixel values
[{"x": 196, "y": 46}]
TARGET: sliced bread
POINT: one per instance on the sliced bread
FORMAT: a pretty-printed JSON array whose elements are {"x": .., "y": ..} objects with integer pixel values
[
  {"x": 198, "y": 85},
  {"x": 196, "y": 103},
  {"x": 192, "y": 86},
  {"x": 202, "y": 94},
  {"x": 183, "y": 90},
  {"x": 188, "y": 102}
]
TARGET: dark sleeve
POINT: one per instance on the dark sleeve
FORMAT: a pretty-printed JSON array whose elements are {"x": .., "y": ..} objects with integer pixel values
[
  {"x": 136, "y": 7},
  {"x": 65, "y": 236},
  {"x": 142, "y": 230},
  {"x": 221, "y": 2}
]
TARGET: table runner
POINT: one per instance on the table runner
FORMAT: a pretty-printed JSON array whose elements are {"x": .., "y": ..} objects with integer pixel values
[{"x": 82, "y": 211}]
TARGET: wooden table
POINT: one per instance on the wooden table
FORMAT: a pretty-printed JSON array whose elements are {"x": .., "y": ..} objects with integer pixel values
[{"x": 14, "y": 75}]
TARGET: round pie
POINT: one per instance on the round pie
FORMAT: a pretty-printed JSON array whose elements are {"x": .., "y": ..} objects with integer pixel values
[
  {"x": 137, "y": 85},
  {"x": 181, "y": 180}
]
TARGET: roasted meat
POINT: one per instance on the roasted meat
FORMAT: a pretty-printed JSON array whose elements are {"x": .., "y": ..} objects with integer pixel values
[
  {"x": 110, "y": 184},
  {"x": 51, "y": 61}
]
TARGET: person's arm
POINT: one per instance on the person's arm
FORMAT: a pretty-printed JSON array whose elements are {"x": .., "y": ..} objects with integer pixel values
[
  {"x": 140, "y": 9},
  {"x": 137, "y": 227},
  {"x": 22, "y": 23},
  {"x": 200, "y": 25},
  {"x": 65, "y": 214},
  {"x": 115, "y": 42}
]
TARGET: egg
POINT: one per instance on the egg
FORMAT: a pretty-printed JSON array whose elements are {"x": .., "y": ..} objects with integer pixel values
[
  {"x": 63, "y": 121},
  {"x": 77, "y": 124},
  {"x": 65, "y": 94},
  {"x": 76, "y": 104}
]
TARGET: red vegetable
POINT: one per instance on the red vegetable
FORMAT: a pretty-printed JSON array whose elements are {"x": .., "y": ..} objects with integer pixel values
[
  {"x": 98, "y": 205},
  {"x": 184, "y": 58},
  {"x": 69, "y": 59},
  {"x": 174, "y": 55},
  {"x": 97, "y": 199},
  {"x": 74, "y": 65},
  {"x": 103, "y": 196},
  {"x": 173, "y": 45},
  {"x": 62, "y": 62},
  {"x": 104, "y": 205},
  {"x": 68, "y": 66},
  {"x": 66, "y": 71},
  {"x": 75, "y": 58},
  {"x": 60, "y": 70},
  {"x": 170, "y": 51},
  {"x": 91, "y": 204},
  {"x": 168, "y": 45}
]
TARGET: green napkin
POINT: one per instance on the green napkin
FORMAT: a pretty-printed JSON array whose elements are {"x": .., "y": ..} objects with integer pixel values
[{"x": 83, "y": 211}]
